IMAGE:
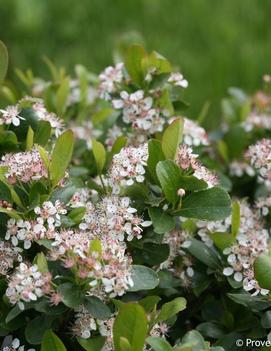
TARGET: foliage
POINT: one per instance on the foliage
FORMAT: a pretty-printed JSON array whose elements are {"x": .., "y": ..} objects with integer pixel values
[{"x": 122, "y": 222}]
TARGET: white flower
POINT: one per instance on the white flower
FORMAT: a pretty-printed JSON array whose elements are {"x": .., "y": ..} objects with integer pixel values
[
  {"x": 11, "y": 115},
  {"x": 178, "y": 80},
  {"x": 109, "y": 79}
]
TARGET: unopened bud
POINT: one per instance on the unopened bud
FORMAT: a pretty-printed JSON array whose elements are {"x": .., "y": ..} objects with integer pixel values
[{"x": 181, "y": 192}]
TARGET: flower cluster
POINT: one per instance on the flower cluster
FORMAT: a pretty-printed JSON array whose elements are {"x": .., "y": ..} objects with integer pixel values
[
  {"x": 109, "y": 80},
  {"x": 138, "y": 111},
  {"x": 193, "y": 134},
  {"x": 27, "y": 284},
  {"x": 177, "y": 79},
  {"x": 257, "y": 121},
  {"x": 24, "y": 166},
  {"x": 128, "y": 166},
  {"x": 188, "y": 161},
  {"x": 14, "y": 345},
  {"x": 113, "y": 217},
  {"x": 260, "y": 158},
  {"x": 103, "y": 262},
  {"x": 86, "y": 132},
  {"x": 263, "y": 204},
  {"x": 240, "y": 168},
  {"x": 80, "y": 198},
  {"x": 8, "y": 255},
  {"x": 43, "y": 115},
  {"x": 178, "y": 240},
  {"x": 84, "y": 323},
  {"x": 27, "y": 231},
  {"x": 251, "y": 241}
]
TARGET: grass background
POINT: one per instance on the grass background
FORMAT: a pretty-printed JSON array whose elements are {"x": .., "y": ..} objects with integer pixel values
[{"x": 216, "y": 43}]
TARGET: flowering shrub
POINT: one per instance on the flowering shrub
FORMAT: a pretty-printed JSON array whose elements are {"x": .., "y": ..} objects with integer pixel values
[{"x": 117, "y": 228}]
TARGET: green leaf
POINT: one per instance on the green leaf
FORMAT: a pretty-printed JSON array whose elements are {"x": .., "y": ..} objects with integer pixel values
[
  {"x": 171, "y": 308},
  {"x": 92, "y": 344},
  {"x": 13, "y": 313},
  {"x": 155, "y": 155},
  {"x": 8, "y": 140},
  {"x": 211, "y": 329},
  {"x": 262, "y": 271},
  {"x": 195, "y": 340},
  {"x": 44, "y": 156},
  {"x": 149, "y": 302},
  {"x": 120, "y": 142},
  {"x": 63, "y": 194},
  {"x": 99, "y": 155},
  {"x": 266, "y": 320},
  {"x": 192, "y": 183},
  {"x": 133, "y": 63},
  {"x": 203, "y": 253},
  {"x": 97, "y": 308},
  {"x": 130, "y": 323},
  {"x": 151, "y": 254},
  {"x": 172, "y": 138},
  {"x": 235, "y": 218},
  {"x": 255, "y": 303},
  {"x": 124, "y": 344},
  {"x": 236, "y": 140},
  {"x": 71, "y": 294},
  {"x": 3, "y": 61},
  {"x": 11, "y": 213},
  {"x": 144, "y": 278},
  {"x": 36, "y": 328},
  {"x": 41, "y": 262},
  {"x": 77, "y": 214},
  {"x": 159, "y": 344},
  {"x": 168, "y": 174},
  {"x": 222, "y": 240},
  {"x": 29, "y": 139},
  {"x": 61, "y": 156},
  {"x": 211, "y": 204},
  {"x": 161, "y": 221},
  {"x": 62, "y": 96},
  {"x": 43, "y": 133},
  {"x": 13, "y": 193},
  {"x": 164, "y": 102},
  {"x": 51, "y": 341}
]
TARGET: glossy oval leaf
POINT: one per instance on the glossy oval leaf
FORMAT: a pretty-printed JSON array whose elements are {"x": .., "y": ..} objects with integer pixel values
[
  {"x": 61, "y": 156},
  {"x": 133, "y": 63},
  {"x": 144, "y": 278},
  {"x": 159, "y": 344},
  {"x": 211, "y": 204},
  {"x": 262, "y": 270},
  {"x": 92, "y": 344},
  {"x": 71, "y": 294},
  {"x": 99, "y": 155},
  {"x": 51, "y": 341},
  {"x": 131, "y": 324},
  {"x": 172, "y": 138},
  {"x": 171, "y": 308},
  {"x": 155, "y": 155},
  {"x": 168, "y": 174},
  {"x": 97, "y": 308},
  {"x": 161, "y": 221}
]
